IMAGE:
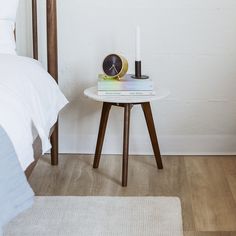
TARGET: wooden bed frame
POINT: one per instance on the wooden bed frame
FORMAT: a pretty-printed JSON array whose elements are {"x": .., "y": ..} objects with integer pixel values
[{"x": 52, "y": 60}]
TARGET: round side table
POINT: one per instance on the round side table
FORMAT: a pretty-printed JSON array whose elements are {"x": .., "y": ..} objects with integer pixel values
[{"x": 127, "y": 102}]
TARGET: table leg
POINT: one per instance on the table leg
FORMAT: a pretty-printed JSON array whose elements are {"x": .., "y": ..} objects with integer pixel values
[
  {"x": 101, "y": 133},
  {"x": 127, "y": 109},
  {"x": 152, "y": 132}
]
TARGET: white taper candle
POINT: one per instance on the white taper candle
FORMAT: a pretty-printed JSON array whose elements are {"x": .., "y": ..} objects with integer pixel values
[{"x": 138, "y": 42}]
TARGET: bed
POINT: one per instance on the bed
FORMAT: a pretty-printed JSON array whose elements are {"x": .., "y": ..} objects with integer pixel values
[
  {"x": 12, "y": 66},
  {"x": 30, "y": 102}
]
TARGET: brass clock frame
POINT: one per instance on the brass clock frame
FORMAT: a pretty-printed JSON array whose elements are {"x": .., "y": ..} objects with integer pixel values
[{"x": 124, "y": 69}]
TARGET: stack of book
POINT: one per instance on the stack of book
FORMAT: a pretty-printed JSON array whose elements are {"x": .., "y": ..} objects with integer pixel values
[{"x": 125, "y": 86}]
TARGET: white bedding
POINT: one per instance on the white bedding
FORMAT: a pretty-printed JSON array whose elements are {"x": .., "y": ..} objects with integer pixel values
[{"x": 29, "y": 97}]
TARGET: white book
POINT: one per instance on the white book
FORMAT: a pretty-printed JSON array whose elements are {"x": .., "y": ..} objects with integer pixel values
[{"x": 126, "y": 93}]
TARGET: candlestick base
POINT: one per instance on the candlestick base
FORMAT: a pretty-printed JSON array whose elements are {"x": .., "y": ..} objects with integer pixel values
[
  {"x": 140, "y": 77},
  {"x": 138, "y": 71}
]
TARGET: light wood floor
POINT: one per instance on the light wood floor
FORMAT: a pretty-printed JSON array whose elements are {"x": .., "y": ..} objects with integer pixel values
[{"x": 205, "y": 185}]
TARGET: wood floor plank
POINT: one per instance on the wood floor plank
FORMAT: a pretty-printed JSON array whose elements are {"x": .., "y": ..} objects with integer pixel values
[
  {"x": 214, "y": 207},
  {"x": 229, "y": 166},
  {"x": 47, "y": 180},
  {"x": 172, "y": 181},
  {"x": 189, "y": 233}
]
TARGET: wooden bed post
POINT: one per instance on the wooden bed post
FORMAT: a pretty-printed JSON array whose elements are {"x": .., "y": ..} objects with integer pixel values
[
  {"x": 35, "y": 29},
  {"x": 52, "y": 60}
]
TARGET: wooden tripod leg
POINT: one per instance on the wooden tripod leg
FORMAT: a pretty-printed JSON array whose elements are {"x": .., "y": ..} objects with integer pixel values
[
  {"x": 127, "y": 110},
  {"x": 152, "y": 132},
  {"x": 101, "y": 133},
  {"x": 54, "y": 142}
]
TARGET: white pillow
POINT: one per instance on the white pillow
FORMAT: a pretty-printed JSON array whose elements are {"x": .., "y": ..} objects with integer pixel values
[
  {"x": 7, "y": 38},
  {"x": 8, "y": 9}
]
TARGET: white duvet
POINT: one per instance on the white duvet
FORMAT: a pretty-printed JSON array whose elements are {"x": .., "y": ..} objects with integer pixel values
[{"x": 28, "y": 97}]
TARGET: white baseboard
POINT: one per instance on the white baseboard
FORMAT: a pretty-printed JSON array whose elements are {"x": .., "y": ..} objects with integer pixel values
[{"x": 139, "y": 145}]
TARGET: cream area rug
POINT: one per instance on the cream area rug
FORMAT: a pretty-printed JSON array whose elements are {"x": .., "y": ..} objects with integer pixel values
[{"x": 99, "y": 216}]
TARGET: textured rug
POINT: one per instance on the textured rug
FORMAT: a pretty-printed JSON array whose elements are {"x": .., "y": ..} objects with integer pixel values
[{"x": 99, "y": 216}]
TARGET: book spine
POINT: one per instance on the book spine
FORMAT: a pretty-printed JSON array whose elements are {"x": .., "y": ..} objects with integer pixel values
[
  {"x": 125, "y": 87},
  {"x": 126, "y": 93}
]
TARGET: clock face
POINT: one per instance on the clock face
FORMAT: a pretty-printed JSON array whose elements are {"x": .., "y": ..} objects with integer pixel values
[{"x": 112, "y": 65}]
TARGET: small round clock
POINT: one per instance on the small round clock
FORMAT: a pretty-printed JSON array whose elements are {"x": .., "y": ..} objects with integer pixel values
[{"x": 115, "y": 66}]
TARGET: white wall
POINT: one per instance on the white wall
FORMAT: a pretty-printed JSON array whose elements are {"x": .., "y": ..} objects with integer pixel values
[{"x": 188, "y": 46}]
